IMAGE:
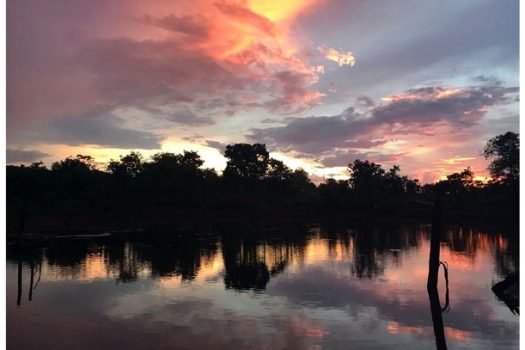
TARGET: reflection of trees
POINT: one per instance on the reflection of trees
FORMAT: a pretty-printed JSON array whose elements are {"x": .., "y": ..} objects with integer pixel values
[
  {"x": 33, "y": 259},
  {"x": 251, "y": 259},
  {"x": 67, "y": 253},
  {"x": 373, "y": 244},
  {"x": 166, "y": 256},
  {"x": 368, "y": 260},
  {"x": 243, "y": 268},
  {"x": 178, "y": 256},
  {"x": 123, "y": 258},
  {"x": 468, "y": 241},
  {"x": 507, "y": 254}
]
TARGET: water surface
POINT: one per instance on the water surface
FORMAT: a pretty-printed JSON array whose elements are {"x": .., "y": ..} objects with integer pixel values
[{"x": 306, "y": 287}]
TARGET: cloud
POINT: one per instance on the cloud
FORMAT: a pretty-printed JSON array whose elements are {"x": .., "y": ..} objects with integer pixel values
[
  {"x": 365, "y": 102},
  {"x": 427, "y": 106},
  {"x": 104, "y": 131},
  {"x": 221, "y": 57},
  {"x": 397, "y": 130},
  {"x": 193, "y": 26},
  {"x": 342, "y": 58},
  {"x": 187, "y": 117},
  {"x": 23, "y": 156},
  {"x": 340, "y": 159},
  {"x": 220, "y": 146},
  {"x": 247, "y": 16},
  {"x": 457, "y": 159}
]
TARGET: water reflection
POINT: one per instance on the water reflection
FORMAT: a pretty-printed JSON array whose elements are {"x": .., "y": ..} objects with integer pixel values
[
  {"x": 314, "y": 288},
  {"x": 251, "y": 260}
]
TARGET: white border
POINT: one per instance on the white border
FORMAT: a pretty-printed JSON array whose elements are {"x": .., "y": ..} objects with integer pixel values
[
  {"x": 3, "y": 113},
  {"x": 522, "y": 157}
]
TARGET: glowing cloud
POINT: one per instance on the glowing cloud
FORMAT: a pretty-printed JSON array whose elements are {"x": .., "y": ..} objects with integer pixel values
[
  {"x": 277, "y": 10},
  {"x": 342, "y": 58},
  {"x": 456, "y": 160},
  {"x": 424, "y": 94}
]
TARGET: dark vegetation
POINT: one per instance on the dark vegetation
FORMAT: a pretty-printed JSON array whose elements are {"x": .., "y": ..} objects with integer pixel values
[{"x": 252, "y": 183}]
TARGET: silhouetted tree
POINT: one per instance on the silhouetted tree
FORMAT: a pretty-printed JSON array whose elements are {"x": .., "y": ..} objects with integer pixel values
[
  {"x": 130, "y": 165},
  {"x": 80, "y": 163},
  {"x": 301, "y": 185},
  {"x": 505, "y": 151},
  {"x": 277, "y": 170},
  {"x": 246, "y": 161},
  {"x": 334, "y": 193},
  {"x": 74, "y": 177},
  {"x": 456, "y": 183},
  {"x": 251, "y": 182},
  {"x": 367, "y": 180},
  {"x": 37, "y": 166}
]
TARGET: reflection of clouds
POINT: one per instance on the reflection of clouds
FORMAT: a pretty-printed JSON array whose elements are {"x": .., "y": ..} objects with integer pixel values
[
  {"x": 451, "y": 333},
  {"x": 401, "y": 295},
  {"x": 314, "y": 298},
  {"x": 246, "y": 319},
  {"x": 457, "y": 334},
  {"x": 396, "y": 328}
]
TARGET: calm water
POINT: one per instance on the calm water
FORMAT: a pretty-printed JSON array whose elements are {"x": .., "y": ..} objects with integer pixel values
[{"x": 302, "y": 288}]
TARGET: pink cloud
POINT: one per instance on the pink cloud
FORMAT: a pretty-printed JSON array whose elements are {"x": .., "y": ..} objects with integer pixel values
[{"x": 66, "y": 59}]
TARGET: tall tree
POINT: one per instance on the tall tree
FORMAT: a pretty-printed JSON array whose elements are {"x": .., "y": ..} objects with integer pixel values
[
  {"x": 246, "y": 161},
  {"x": 505, "y": 151}
]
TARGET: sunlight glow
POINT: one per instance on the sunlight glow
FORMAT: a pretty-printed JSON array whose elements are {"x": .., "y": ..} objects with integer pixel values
[{"x": 277, "y": 10}]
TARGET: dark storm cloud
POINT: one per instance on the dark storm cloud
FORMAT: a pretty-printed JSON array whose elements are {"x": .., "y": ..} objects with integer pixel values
[
  {"x": 415, "y": 111},
  {"x": 23, "y": 156}
]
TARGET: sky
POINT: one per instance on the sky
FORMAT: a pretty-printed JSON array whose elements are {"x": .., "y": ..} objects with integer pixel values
[{"x": 421, "y": 84}]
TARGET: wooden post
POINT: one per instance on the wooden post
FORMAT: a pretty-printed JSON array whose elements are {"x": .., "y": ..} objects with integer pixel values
[
  {"x": 432, "y": 281},
  {"x": 435, "y": 242},
  {"x": 437, "y": 319},
  {"x": 32, "y": 277}
]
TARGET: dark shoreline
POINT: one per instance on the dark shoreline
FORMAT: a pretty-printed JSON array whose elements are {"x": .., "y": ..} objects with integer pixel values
[{"x": 47, "y": 226}]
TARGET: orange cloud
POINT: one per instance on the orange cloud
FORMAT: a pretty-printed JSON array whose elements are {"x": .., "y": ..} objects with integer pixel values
[
  {"x": 424, "y": 94},
  {"x": 396, "y": 328},
  {"x": 254, "y": 40},
  {"x": 217, "y": 55},
  {"x": 342, "y": 58}
]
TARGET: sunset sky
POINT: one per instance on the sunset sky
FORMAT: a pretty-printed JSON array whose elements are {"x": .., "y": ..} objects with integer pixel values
[{"x": 422, "y": 84}]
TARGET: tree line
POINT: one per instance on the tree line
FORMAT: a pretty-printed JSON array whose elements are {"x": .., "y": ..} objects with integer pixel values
[{"x": 253, "y": 180}]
